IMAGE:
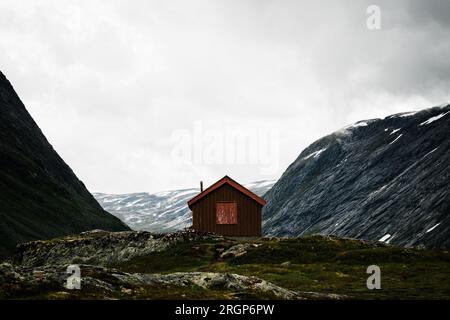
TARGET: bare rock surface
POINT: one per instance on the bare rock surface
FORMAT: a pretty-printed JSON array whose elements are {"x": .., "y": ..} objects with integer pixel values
[
  {"x": 20, "y": 281},
  {"x": 100, "y": 248},
  {"x": 379, "y": 179}
]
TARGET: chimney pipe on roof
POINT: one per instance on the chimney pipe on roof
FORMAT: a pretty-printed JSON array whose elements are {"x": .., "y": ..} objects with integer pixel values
[{"x": 201, "y": 186}]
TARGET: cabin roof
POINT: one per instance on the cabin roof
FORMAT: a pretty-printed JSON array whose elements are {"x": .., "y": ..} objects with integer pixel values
[{"x": 232, "y": 183}]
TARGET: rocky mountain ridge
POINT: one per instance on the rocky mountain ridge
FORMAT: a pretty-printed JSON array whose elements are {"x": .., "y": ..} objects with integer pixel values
[
  {"x": 379, "y": 179},
  {"x": 40, "y": 196}
]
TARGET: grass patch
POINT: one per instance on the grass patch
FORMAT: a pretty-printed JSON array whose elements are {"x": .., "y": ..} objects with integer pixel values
[
  {"x": 313, "y": 263},
  {"x": 180, "y": 258}
]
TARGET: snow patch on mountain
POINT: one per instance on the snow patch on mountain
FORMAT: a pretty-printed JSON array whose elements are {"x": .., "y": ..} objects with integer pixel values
[
  {"x": 435, "y": 118},
  {"x": 315, "y": 154},
  {"x": 407, "y": 114},
  {"x": 432, "y": 228},
  {"x": 396, "y": 138},
  {"x": 394, "y": 131}
]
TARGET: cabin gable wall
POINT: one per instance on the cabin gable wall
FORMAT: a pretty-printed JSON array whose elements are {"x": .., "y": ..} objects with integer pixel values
[{"x": 248, "y": 213}]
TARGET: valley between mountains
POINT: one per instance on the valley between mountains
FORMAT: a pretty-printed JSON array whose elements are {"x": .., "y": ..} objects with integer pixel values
[{"x": 375, "y": 192}]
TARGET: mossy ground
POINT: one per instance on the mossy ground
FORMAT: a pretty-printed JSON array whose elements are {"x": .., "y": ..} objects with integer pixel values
[
  {"x": 326, "y": 265},
  {"x": 318, "y": 264}
]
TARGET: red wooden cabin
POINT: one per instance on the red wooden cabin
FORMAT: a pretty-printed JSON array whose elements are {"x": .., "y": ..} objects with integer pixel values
[{"x": 227, "y": 208}]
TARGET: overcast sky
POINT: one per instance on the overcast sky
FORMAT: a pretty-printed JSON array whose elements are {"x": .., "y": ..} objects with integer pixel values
[{"x": 111, "y": 83}]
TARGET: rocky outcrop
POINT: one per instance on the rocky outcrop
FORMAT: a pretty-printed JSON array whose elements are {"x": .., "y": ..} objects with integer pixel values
[
  {"x": 237, "y": 250},
  {"x": 194, "y": 265},
  {"x": 380, "y": 179},
  {"x": 39, "y": 268},
  {"x": 213, "y": 281},
  {"x": 106, "y": 283},
  {"x": 100, "y": 248}
]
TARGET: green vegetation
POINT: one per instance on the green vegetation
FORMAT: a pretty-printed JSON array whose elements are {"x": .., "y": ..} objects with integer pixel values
[
  {"x": 316, "y": 267},
  {"x": 313, "y": 263},
  {"x": 185, "y": 257}
]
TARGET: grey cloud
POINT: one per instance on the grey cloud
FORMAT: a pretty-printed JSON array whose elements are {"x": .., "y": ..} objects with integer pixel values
[
  {"x": 432, "y": 11},
  {"x": 113, "y": 80}
]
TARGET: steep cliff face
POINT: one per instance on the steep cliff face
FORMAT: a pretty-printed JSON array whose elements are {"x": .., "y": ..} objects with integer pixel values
[
  {"x": 381, "y": 179},
  {"x": 40, "y": 196}
]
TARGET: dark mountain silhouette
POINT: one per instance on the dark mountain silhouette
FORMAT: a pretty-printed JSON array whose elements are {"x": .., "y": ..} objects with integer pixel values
[
  {"x": 40, "y": 196},
  {"x": 381, "y": 179}
]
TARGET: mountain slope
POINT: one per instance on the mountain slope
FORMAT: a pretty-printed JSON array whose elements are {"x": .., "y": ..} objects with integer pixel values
[
  {"x": 381, "y": 179},
  {"x": 162, "y": 211},
  {"x": 40, "y": 196}
]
